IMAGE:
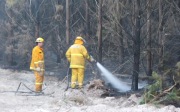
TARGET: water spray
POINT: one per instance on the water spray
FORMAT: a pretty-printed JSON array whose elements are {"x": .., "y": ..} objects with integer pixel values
[{"x": 113, "y": 80}]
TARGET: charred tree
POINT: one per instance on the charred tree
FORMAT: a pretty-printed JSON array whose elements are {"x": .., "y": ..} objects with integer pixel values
[
  {"x": 100, "y": 31},
  {"x": 137, "y": 43},
  {"x": 10, "y": 42},
  {"x": 149, "y": 57},
  {"x": 160, "y": 32},
  {"x": 87, "y": 24},
  {"x": 67, "y": 22},
  {"x": 37, "y": 29},
  {"x": 37, "y": 18},
  {"x": 119, "y": 31}
]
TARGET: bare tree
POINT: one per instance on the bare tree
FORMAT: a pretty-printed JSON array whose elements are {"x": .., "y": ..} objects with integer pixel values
[
  {"x": 149, "y": 57},
  {"x": 87, "y": 24},
  {"x": 67, "y": 22},
  {"x": 119, "y": 32},
  {"x": 37, "y": 18},
  {"x": 137, "y": 43},
  {"x": 100, "y": 31},
  {"x": 160, "y": 31},
  {"x": 10, "y": 43}
]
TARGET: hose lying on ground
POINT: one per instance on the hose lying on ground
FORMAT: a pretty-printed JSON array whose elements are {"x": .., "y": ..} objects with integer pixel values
[
  {"x": 28, "y": 87},
  {"x": 31, "y": 91}
]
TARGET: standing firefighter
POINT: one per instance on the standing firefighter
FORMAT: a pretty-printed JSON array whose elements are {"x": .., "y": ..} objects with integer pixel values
[
  {"x": 76, "y": 55},
  {"x": 37, "y": 64}
]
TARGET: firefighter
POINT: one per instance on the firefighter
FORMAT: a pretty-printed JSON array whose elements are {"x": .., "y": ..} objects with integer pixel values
[
  {"x": 76, "y": 55},
  {"x": 37, "y": 64}
]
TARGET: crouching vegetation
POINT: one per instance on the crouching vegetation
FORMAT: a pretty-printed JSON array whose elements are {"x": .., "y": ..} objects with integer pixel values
[{"x": 165, "y": 88}]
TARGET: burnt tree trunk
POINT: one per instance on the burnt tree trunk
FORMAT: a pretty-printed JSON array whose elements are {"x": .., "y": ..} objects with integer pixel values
[
  {"x": 67, "y": 22},
  {"x": 58, "y": 45},
  {"x": 100, "y": 31},
  {"x": 10, "y": 56},
  {"x": 10, "y": 43},
  {"x": 87, "y": 24},
  {"x": 37, "y": 29},
  {"x": 149, "y": 57},
  {"x": 136, "y": 46},
  {"x": 37, "y": 16},
  {"x": 121, "y": 49},
  {"x": 160, "y": 32},
  {"x": 119, "y": 31}
]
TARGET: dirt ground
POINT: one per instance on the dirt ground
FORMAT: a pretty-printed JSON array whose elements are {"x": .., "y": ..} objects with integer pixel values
[{"x": 56, "y": 99}]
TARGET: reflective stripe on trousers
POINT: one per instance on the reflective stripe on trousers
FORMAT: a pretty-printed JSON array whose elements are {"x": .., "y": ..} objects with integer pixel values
[
  {"x": 77, "y": 75},
  {"x": 38, "y": 62},
  {"x": 38, "y": 81},
  {"x": 76, "y": 66}
]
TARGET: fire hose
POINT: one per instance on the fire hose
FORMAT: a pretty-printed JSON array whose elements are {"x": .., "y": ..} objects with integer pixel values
[
  {"x": 67, "y": 76},
  {"x": 21, "y": 83},
  {"x": 31, "y": 91}
]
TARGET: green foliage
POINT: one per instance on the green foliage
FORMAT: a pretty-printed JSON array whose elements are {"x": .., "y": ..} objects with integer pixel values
[
  {"x": 173, "y": 95},
  {"x": 156, "y": 93},
  {"x": 153, "y": 89}
]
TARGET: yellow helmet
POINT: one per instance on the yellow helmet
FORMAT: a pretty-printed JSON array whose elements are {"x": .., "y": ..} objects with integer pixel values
[
  {"x": 40, "y": 39},
  {"x": 80, "y": 38}
]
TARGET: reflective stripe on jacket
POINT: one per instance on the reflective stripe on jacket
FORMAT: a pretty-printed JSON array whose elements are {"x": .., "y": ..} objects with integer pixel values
[{"x": 37, "y": 58}]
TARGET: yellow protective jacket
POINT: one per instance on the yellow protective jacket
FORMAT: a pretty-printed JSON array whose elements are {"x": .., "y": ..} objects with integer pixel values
[
  {"x": 37, "y": 58},
  {"x": 77, "y": 54}
]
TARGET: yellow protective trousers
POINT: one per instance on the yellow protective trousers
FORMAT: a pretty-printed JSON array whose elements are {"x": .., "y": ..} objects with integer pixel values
[
  {"x": 77, "y": 75},
  {"x": 38, "y": 81}
]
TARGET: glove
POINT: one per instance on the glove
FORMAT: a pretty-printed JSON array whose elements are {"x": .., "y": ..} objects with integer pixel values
[
  {"x": 38, "y": 69},
  {"x": 92, "y": 59}
]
